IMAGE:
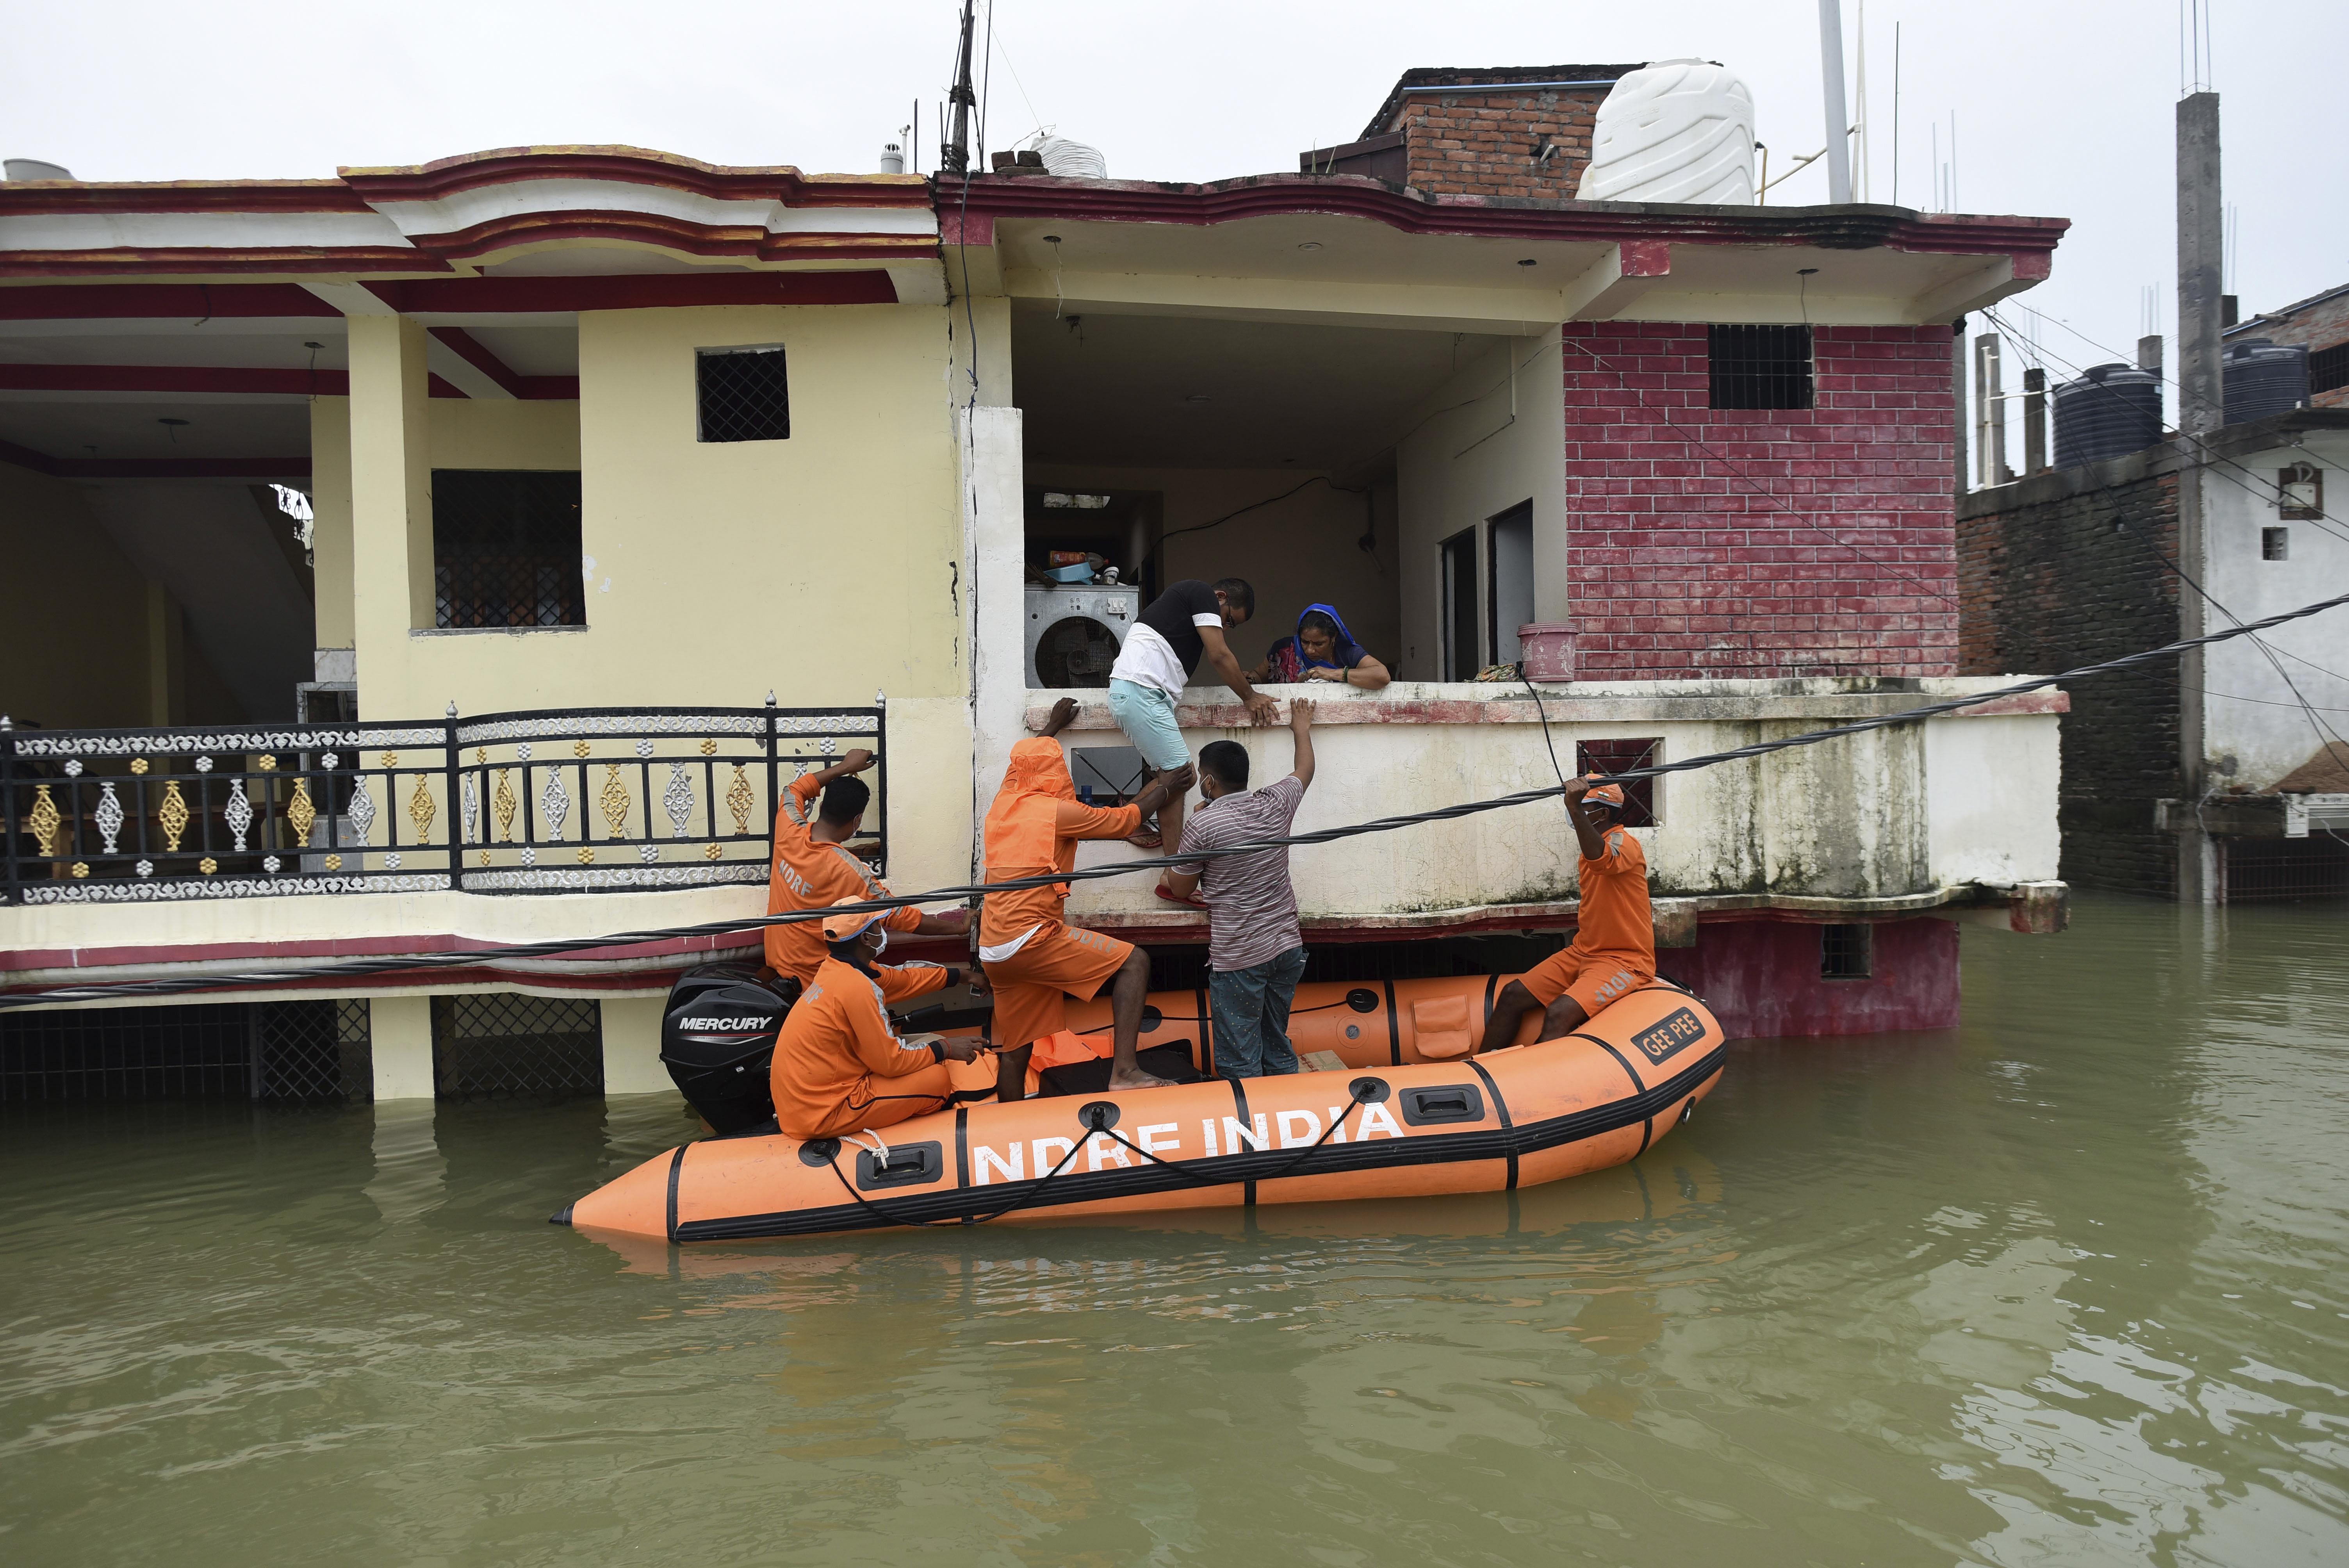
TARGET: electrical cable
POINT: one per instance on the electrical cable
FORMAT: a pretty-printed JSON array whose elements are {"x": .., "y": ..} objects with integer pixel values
[{"x": 422, "y": 963}]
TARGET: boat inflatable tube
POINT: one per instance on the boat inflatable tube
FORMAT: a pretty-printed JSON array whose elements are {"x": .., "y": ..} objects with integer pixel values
[{"x": 1419, "y": 1108}]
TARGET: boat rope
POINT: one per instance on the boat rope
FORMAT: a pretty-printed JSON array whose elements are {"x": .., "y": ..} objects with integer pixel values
[{"x": 354, "y": 968}]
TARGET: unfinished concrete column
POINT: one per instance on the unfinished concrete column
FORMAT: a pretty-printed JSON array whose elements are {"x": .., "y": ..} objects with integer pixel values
[{"x": 2200, "y": 412}]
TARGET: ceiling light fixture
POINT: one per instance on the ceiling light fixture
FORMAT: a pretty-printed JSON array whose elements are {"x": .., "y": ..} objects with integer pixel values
[
  {"x": 1310, "y": 245},
  {"x": 1198, "y": 397},
  {"x": 1526, "y": 263}
]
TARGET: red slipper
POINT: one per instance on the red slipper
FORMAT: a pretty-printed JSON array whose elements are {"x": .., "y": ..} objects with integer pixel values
[{"x": 1171, "y": 896}]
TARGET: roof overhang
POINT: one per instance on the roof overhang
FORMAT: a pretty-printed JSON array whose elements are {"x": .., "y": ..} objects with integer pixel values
[
  {"x": 465, "y": 216},
  {"x": 1342, "y": 250}
]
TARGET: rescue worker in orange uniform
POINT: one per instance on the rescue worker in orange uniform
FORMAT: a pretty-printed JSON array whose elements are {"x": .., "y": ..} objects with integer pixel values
[
  {"x": 1033, "y": 956},
  {"x": 812, "y": 868},
  {"x": 840, "y": 1064},
  {"x": 1614, "y": 947}
]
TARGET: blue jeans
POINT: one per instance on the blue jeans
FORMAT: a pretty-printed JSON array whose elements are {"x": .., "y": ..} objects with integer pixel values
[{"x": 1250, "y": 1009}]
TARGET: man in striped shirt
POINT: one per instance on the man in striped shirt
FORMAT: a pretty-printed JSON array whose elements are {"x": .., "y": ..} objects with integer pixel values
[{"x": 1256, "y": 954}]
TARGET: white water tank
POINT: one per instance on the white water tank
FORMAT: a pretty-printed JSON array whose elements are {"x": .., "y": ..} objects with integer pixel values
[
  {"x": 1071, "y": 159},
  {"x": 35, "y": 168},
  {"x": 893, "y": 159},
  {"x": 1677, "y": 130}
]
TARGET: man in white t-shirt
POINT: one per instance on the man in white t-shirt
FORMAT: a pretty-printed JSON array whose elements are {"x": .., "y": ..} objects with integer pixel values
[{"x": 1156, "y": 663}]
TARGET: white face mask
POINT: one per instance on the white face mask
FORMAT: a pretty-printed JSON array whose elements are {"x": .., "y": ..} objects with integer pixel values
[{"x": 880, "y": 940}]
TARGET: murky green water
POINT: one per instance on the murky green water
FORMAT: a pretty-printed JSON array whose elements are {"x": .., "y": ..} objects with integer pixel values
[{"x": 2064, "y": 1285}]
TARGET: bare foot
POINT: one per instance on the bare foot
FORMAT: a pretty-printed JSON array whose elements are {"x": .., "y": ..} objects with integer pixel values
[
  {"x": 1138, "y": 1080},
  {"x": 1145, "y": 841}
]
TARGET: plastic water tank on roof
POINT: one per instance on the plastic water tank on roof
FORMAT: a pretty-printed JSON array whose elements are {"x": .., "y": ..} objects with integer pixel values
[
  {"x": 2110, "y": 411},
  {"x": 1071, "y": 159},
  {"x": 2262, "y": 378},
  {"x": 1677, "y": 130}
]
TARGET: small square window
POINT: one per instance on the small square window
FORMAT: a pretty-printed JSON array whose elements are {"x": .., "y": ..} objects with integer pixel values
[
  {"x": 1846, "y": 952},
  {"x": 742, "y": 394},
  {"x": 2328, "y": 368},
  {"x": 2275, "y": 545},
  {"x": 2300, "y": 493},
  {"x": 1760, "y": 367},
  {"x": 1642, "y": 808}
]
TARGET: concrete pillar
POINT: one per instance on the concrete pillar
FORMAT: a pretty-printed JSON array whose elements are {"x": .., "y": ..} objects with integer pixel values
[
  {"x": 399, "y": 1030},
  {"x": 330, "y": 527},
  {"x": 167, "y": 658},
  {"x": 1958, "y": 403},
  {"x": 994, "y": 529},
  {"x": 632, "y": 1063},
  {"x": 2200, "y": 411},
  {"x": 391, "y": 480}
]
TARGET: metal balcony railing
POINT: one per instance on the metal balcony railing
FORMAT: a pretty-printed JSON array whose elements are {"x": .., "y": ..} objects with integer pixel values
[{"x": 562, "y": 800}]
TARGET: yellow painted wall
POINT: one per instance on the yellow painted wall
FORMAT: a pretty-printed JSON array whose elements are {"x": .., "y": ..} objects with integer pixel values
[
  {"x": 1295, "y": 552},
  {"x": 826, "y": 567},
  {"x": 470, "y": 433},
  {"x": 86, "y": 642}
]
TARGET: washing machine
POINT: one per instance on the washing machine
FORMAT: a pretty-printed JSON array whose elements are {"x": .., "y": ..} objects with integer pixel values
[{"x": 1074, "y": 632}]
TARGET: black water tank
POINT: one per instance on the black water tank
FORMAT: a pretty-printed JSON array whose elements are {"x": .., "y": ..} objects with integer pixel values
[
  {"x": 2110, "y": 411},
  {"x": 2263, "y": 380}
]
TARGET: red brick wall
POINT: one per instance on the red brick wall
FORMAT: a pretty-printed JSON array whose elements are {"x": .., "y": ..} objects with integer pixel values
[
  {"x": 1473, "y": 143},
  {"x": 1676, "y": 568}
]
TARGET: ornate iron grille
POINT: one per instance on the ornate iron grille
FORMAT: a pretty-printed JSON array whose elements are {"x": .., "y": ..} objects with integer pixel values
[
  {"x": 743, "y": 395},
  {"x": 505, "y": 548},
  {"x": 311, "y": 1053},
  {"x": 552, "y": 801},
  {"x": 1760, "y": 367},
  {"x": 505, "y": 1046},
  {"x": 1615, "y": 756}
]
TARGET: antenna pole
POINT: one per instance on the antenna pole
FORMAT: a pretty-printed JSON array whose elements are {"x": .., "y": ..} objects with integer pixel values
[
  {"x": 1839, "y": 121},
  {"x": 955, "y": 157}
]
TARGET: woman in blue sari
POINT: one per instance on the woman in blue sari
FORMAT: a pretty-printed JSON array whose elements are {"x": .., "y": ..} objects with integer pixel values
[{"x": 1323, "y": 650}]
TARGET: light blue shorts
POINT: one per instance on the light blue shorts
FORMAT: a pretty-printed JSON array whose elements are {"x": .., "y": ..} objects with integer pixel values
[{"x": 1147, "y": 716}]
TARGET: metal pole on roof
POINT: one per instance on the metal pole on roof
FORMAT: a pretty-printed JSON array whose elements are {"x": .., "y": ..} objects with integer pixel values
[
  {"x": 955, "y": 157},
  {"x": 1838, "y": 121}
]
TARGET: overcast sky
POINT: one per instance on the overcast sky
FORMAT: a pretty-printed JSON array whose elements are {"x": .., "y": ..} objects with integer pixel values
[{"x": 2064, "y": 107}]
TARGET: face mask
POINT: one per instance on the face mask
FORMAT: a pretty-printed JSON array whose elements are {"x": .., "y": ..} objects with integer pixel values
[{"x": 882, "y": 937}]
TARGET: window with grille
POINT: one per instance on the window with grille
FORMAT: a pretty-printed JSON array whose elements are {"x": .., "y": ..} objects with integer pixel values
[
  {"x": 1640, "y": 806},
  {"x": 1846, "y": 952},
  {"x": 2275, "y": 545},
  {"x": 1760, "y": 367},
  {"x": 505, "y": 548},
  {"x": 2328, "y": 368},
  {"x": 505, "y": 1046},
  {"x": 742, "y": 394},
  {"x": 306, "y": 1052}
]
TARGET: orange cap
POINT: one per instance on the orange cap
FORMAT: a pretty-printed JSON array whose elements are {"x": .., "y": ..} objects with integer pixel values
[
  {"x": 841, "y": 927},
  {"x": 1606, "y": 795}
]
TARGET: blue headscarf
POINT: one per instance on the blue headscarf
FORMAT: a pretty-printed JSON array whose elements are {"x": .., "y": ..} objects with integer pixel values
[{"x": 1348, "y": 651}]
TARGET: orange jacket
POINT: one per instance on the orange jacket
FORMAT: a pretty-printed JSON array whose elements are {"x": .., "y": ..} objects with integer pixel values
[
  {"x": 837, "y": 1042},
  {"x": 1616, "y": 920},
  {"x": 810, "y": 874},
  {"x": 1031, "y": 831}
]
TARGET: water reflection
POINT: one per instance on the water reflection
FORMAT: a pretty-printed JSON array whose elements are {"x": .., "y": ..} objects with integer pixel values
[{"x": 2062, "y": 1284}]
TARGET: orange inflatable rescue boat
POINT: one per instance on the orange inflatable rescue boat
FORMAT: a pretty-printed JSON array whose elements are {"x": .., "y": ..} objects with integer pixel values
[{"x": 1418, "y": 1108}]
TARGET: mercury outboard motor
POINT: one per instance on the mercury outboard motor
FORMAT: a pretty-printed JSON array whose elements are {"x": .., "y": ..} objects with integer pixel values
[{"x": 718, "y": 1038}]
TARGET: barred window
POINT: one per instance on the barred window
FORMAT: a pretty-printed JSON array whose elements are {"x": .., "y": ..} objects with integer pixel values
[
  {"x": 742, "y": 394},
  {"x": 1640, "y": 807},
  {"x": 2328, "y": 368},
  {"x": 505, "y": 548},
  {"x": 1846, "y": 952},
  {"x": 1760, "y": 367}
]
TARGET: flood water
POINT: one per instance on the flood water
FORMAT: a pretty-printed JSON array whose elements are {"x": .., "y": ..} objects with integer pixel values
[{"x": 2066, "y": 1284}]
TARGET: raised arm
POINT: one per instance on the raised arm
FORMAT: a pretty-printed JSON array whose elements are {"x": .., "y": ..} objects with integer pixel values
[
  {"x": 1300, "y": 727},
  {"x": 1593, "y": 838},
  {"x": 1227, "y": 664}
]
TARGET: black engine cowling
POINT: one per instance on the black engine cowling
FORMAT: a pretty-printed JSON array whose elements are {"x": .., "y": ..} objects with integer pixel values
[{"x": 718, "y": 1040}]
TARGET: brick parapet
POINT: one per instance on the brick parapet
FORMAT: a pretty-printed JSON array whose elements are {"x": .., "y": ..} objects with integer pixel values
[
  {"x": 1757, "y": 542},
  {"x": 1483, "y": 143}
]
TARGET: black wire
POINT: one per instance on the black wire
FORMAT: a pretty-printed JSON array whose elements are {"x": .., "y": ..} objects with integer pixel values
[
  {"x": 419, "y": 963},
  {"x": 1252, "y": 506}
]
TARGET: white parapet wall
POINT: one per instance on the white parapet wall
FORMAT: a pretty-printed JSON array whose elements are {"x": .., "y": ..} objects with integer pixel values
[{"x": 1899, "y": 817}]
